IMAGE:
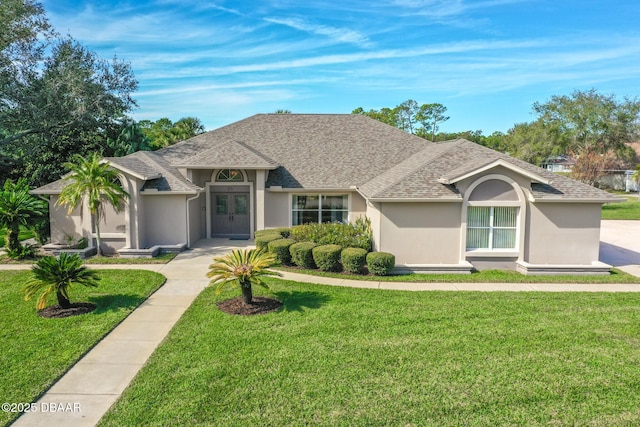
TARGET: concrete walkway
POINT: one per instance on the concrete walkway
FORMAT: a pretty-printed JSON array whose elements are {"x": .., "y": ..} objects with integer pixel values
[{"x": 94, "y": 383}]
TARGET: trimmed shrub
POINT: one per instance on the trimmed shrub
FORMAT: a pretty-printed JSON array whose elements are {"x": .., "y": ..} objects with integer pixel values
[
  {"x": 280, "y": 248},
  {"x": 284, "y": 231},
  {"x": 380, "y": 263},
  {"x": 262, "y": 240},
  {"x": 352, "y": 235},
  {"x": 353, "y": 260},
  {"x": 327, "y": 257},
  {"x": 302, "y": 255}
]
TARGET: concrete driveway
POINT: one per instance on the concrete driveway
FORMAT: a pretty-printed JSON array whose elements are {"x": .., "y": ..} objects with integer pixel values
[{"x": 620, "y": 245}]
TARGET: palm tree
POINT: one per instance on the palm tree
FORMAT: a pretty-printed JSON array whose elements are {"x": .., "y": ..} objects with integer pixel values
[
  {"x": 18, "y": 208},
  {"x": 242, "y": 268},
  {"x": 53, "y": 274},
  {"x": 96, "y": 182}
]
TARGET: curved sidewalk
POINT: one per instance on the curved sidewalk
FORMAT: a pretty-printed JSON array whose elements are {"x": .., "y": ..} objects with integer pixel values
[{"x": 96, "y": 381}]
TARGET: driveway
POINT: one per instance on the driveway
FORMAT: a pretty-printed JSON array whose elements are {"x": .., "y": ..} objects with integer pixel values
[{"x": 620, "y": 245}]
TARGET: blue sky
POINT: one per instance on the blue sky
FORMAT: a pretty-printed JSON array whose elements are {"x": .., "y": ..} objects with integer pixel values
[{"x": 487, "y": 61}]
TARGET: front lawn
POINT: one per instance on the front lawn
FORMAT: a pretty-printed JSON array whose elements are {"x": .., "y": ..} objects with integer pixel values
[
  {"x": 344, "y": 356},
  {"x": 625, "y": 210},
  {"x": 486, "y": 276},
  {"x": 37, "y": 351}
]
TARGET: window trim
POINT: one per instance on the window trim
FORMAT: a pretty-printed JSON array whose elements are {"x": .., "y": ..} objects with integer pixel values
[
  {"x": 521, "y": 203},
  {"x": 492, "y": 227},
  {"x": 293, "y": 209},
  {"x": 219, "y": 171}
]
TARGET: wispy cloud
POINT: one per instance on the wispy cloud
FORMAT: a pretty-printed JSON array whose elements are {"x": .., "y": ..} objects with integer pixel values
[{"x": 341, "y": 35}]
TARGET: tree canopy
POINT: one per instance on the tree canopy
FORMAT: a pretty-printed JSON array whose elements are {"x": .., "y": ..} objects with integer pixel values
[
  {"x": 422, "y": 120},
  {"x": 57, "y": 97},
  {"x": 163, "y": 132}
]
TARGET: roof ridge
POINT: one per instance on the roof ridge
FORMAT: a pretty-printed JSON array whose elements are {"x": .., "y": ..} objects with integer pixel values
[
  {"x": 151, "y": 158},
  {"x": 412, "y": 158},
  {"x": 256, "y": 152}
]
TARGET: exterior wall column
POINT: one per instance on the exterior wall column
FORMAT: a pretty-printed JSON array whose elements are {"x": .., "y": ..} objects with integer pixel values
[{"x": 259, "y": 205}]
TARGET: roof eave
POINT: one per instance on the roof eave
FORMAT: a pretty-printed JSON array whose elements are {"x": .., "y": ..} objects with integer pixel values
[
  {"x": 500, "y": 162},
  {"x": 416, "y": 199},
  {"x": 574, "y": 200},
  {"x": 280, "y": 189},
  {"x": 204, "y": 167},
  {"x": 150, "y": 192}
]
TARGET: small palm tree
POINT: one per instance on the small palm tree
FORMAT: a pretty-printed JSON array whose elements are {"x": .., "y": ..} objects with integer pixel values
[
  {"x": 53, "y": 274},
  {"x": 242, "y": 268},
  {"x": 96, "y": 182},
  {"x": 18, "y": 208}
]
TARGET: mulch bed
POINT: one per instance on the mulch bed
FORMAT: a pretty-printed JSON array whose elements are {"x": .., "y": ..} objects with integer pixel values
[
  {"x": 259, "y": 305},
  {"x": 57, "y": 312}
]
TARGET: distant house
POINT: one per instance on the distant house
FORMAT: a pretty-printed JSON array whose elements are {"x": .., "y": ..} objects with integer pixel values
[
  {"x": 448, "y": 206},
  {"x": 561, "y": 163}
]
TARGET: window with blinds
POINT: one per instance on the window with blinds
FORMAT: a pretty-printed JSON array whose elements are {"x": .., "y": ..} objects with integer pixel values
[{"x": 491, "y": 227}]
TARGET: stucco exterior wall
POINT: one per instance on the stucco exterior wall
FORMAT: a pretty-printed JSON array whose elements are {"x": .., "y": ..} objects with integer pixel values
[
  {"x": 358, "y": 206},
  {"x": 374, "y": 214},
  {"x": 196, "y": 229},
  {"x": 65, "y": 228},
  {"x": 421, "y": 233},
  {"x": 165, "y": 220},
  {"x": 113, "y": 222},
  {"x": 562, "y": 233},
  {"x": 276, "y": 209}
]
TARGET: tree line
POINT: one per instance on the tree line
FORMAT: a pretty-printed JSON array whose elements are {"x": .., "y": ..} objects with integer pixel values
[
  {"x": 59, "y": 99},
  {"x": 592, "y": 127}
]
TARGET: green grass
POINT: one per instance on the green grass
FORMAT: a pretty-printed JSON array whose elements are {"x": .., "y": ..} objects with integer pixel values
[
  {"x": 24, "y": 235},
  {"x": 625, "y": 210},
  {"x": 486, "y": 276},
  {"x": 36, "y": 351},
  {"x": 361, "y": 357}
]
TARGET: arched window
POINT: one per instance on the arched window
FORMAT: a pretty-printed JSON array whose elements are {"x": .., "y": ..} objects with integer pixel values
[
  {"x": 230, "y": 175},
  {"x": 493, "y": 210}
]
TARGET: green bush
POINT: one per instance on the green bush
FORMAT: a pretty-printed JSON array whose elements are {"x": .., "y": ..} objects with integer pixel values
[
  {"x": 302, "y": 255},
  {"x": 380, "y": 263},
  {"x": 280, "y": 248},
  {"x": 353, "y": 260},
  {"x": 284, "y": 231},
  {"x": 354, "y": 235},
  {"x": 262, "y": 239},
  {"x": 327, "y": 257}
]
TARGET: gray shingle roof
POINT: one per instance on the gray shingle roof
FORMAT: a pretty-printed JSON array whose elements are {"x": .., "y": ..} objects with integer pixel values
[
  {"x": 418, "y": 177},
  {"x": 311, "y": 150},
  {"x": 221, "y": 154},
  {"x": 336, "y": 151},
  {"x": 167, "y": 177}
]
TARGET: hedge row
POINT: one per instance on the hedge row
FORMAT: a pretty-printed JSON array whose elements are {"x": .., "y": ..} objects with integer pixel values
[{"x": 326, "y": 257}]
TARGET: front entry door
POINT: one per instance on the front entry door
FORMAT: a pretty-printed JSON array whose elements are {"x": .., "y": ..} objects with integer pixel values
[{"x": 230, "y": 215}]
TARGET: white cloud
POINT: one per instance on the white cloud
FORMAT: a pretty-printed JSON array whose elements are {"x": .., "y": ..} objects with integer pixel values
[{"x": 341, "y": 35}]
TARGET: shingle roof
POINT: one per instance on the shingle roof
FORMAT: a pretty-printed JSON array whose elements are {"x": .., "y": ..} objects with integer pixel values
[
  {"x": 218, "y": 154},
  {"x": 311, "y": 150},
  {"x": 166, "y": 178},
  {"x": 336, "y": 151},
  {"x": 418, "y": 177}
]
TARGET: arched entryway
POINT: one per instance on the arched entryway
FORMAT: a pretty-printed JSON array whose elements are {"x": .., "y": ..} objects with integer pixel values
[{"x": 230, "y": 204}]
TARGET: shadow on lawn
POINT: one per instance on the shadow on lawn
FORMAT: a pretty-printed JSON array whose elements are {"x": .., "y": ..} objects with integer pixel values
[
  {"x": 300, "y": 300},
  {"x": 115, "y": 302}
]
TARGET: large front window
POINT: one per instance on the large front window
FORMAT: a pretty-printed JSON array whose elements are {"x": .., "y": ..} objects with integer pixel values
[
  {"x": 491, "y": 227},
  {"x": 319, "y": 208}
]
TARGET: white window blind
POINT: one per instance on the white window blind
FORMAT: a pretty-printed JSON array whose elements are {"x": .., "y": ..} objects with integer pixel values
[{"x": 490, "y": 227}]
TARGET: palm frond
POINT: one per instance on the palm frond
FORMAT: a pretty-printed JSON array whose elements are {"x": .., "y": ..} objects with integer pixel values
[{"x": 241, "y": 266}]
